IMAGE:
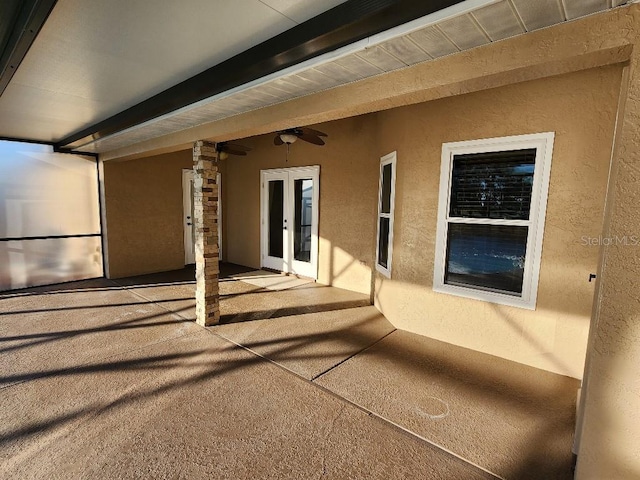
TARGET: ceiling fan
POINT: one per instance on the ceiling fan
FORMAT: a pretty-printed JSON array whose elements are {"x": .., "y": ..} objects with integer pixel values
[
  {"x": 226, "y": 148},
  {"x": 303, "y": 133}
]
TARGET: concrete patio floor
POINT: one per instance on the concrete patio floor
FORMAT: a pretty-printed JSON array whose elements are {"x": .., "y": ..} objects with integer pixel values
[{"x": 112, "y": 379}]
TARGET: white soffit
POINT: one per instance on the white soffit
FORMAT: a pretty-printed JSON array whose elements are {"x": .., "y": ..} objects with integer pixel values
[
  {"x": 95, "y": 58},
  {"x": 579, "y": 8},
  {"x": 466, "y": 25}
]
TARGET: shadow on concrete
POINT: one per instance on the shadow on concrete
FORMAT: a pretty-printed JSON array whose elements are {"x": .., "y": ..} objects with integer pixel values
[
  {"x": 88, "y": 307},
  {"x": 289, "y": 311},
  {"x": 495, "y": 383},
  {"x": 47, "y": 337},
  {"x": 128, "y": 398}
]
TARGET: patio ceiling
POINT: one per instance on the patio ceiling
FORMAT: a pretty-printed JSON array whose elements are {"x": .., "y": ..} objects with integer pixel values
[{"x": 106, "y": 75}]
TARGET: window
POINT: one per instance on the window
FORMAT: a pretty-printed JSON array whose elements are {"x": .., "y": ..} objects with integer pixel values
[
  {"x": 493, "y": 198},
  {"x": 386, "y": 201}
]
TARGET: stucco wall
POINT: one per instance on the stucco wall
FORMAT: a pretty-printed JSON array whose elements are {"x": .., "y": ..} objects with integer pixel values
[
  {"x": 143, "y": 200},
  {"x": 348, "y": 189},
  {"x": 145, "y": 195},
  {"x": 580, "y": 108}
]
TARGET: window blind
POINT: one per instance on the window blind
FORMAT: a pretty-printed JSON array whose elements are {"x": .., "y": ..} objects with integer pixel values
[{"x": 496, "y": 185}]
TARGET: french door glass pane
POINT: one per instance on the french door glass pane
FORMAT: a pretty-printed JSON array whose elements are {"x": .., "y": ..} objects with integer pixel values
[
  {"x": 489, "y": 257},
  {"x": 303, "y": 202},
  {"x": 492, "y": 185},
  {"x": 385, "y": 199},
  {"x": 383, "y": 243},
  {"x": 276, "y": 218}
]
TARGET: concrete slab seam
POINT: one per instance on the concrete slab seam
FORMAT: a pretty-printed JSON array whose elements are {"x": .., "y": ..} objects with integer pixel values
[
  {"x": 358, "y": 406},
  {"x": 313, "y": 379}
]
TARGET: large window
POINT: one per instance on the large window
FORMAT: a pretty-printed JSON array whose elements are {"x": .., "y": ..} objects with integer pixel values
[
  {"x": 493, "y": 197},
  {"x": 386, "y": 201}
]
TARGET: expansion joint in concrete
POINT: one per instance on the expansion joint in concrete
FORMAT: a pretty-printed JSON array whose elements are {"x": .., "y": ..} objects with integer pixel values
[
  {"x": 353, "y": 404},
  {"x": 313, "y": 379}
]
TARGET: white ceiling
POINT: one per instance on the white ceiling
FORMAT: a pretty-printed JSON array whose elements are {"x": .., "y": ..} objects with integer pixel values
[
  {"x": 95, "y": 58},
  {"x": 91, "y": 60}
]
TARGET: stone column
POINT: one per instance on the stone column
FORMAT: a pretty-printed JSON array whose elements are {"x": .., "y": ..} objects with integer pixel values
[{"x": 205, "y": 212}]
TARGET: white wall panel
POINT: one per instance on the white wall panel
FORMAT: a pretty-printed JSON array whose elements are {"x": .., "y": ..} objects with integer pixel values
[
  {"x": 44, "y": 193},
  {"x": 54, "y": 198},
  {"x": 29, "y": 263}
]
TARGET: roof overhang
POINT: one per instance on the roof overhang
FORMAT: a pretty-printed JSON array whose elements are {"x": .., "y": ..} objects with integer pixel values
[{"x": 344, "y": 24}]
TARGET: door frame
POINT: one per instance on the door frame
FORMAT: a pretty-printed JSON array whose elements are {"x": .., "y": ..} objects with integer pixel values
[
  {"x": 187, "y": 221},
  {"x": 292, "y": 174},
  {"x": 266, "y": 260}
]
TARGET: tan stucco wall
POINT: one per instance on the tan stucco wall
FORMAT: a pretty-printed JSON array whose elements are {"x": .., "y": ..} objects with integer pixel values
[
  {"x": 348, "y": 189},
  {"x": 580, "y": 108},
  {"x": 143, "y": 202}
]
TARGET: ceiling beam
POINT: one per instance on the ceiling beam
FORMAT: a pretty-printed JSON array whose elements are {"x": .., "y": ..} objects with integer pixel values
[
  {"x": 20, "y": 24},
  {"x": 342, "y": 25}
]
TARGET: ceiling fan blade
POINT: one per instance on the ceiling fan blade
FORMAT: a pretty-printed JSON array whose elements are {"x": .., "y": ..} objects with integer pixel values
[
  {"x": 232, "y": 151},
  {"x": 277, "y": 140},
  {"x": 311, "y": 131},
  {"x": 238, "y": 147},
  {"x": 311, "y": 139}
]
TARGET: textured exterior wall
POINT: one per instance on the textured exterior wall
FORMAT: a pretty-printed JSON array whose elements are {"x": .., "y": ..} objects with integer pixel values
[
  {"x": 143, "y": 201},
  {"x": 348, "y": 190},
  {"x": 610, "y": 439},
  {"x": 581, "y": 109}
]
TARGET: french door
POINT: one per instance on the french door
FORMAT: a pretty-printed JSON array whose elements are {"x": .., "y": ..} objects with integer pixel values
[{"x": 289, "y": 218}]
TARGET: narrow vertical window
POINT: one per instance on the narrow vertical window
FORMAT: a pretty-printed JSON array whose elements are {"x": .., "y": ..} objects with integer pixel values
[
  {"x": 493, "y": 196},
  {"x": 386, "y": 200}
]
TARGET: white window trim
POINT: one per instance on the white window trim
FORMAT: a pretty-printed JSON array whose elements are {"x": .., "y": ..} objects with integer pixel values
[
  {"x": 543, "y": 143},
  {"x": 389, "y": 159}
]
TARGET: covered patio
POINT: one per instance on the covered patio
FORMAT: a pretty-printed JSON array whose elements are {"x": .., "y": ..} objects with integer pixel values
[{"x": 113, "y": 379}]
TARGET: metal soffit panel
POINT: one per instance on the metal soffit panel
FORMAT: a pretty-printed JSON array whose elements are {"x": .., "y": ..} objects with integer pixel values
[{"x": 491, "y": 22}]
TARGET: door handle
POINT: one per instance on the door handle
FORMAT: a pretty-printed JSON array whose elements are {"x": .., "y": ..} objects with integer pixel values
[{"x": 188, "y": 223}]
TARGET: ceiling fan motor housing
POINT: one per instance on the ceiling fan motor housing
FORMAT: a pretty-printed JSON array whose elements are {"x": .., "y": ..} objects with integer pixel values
[{"x": 288, "y": 138}]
